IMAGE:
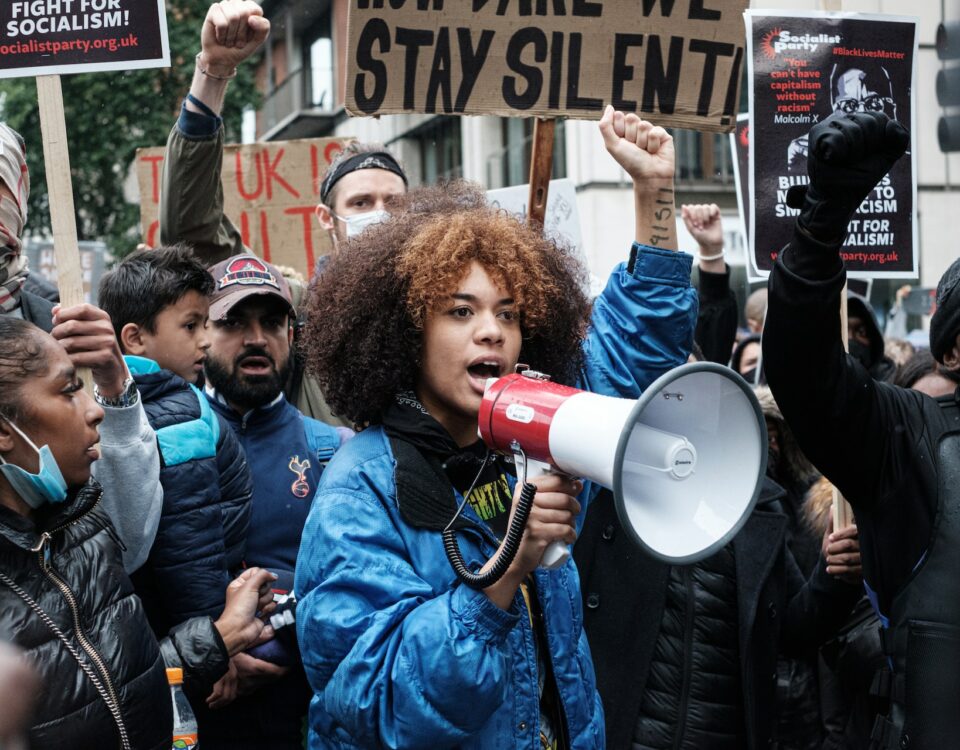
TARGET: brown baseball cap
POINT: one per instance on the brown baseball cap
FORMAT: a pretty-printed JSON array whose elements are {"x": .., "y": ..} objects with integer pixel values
[{"x": 242, "y": 276}]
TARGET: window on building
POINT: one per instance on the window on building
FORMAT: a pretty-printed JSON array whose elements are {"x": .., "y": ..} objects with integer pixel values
[
  {"x": 510, "y": 164},
  {"x": 321, "y": 73},
  {"x": 441, "y": 150},
  {"x": 318, "y": 64},
  {"x": 706, "y": 157}
]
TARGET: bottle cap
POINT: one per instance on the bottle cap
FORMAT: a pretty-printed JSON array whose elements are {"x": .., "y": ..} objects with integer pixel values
[{"x": 175, "y": 675}]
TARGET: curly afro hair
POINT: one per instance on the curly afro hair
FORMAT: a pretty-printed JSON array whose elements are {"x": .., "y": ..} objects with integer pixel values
[{"x": 366, "y": 312}]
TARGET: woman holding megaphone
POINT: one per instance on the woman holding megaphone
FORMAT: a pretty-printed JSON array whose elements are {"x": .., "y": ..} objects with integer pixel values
[{"x": 406, "y": 325}]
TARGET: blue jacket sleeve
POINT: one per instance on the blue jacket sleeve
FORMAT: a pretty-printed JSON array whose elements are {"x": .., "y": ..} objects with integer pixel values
[
  {"x": 643, "y": 323},
  {"x": 392, "y": 660}
]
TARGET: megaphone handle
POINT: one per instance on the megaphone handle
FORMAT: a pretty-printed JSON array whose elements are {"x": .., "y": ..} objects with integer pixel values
[{"x": 557, "y": 553}]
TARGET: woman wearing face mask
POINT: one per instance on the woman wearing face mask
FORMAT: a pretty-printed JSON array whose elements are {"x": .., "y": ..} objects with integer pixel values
[
  {"x": 429, "y": 304},
  {"x": 64, "y": 596}
]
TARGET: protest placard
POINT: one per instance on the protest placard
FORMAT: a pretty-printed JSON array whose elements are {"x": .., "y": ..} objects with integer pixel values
[
  {"x": 678, "y": 62},
  {"x": 271, "y": 191},
  {"x": 804, "y": 67},
  {"x": 93, "y": 263},
  {"x": 46, "y": 37}
]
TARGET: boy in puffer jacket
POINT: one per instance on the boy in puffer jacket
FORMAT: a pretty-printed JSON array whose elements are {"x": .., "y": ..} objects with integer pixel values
[{"x": 158, "y": 301}]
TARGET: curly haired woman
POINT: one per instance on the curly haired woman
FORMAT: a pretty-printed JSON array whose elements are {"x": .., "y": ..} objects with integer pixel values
[{"x": 407, "y": 324}]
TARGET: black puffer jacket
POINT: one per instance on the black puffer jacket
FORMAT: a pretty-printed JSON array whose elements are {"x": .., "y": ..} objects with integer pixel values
[
  {"x": 625, "y": 595},
  {"x": 202, "y": 534},
  {"x": 68, "y": 562}
]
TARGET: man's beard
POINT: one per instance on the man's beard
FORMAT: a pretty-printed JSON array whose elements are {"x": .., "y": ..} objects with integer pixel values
[{"x": 247, "y": 391}]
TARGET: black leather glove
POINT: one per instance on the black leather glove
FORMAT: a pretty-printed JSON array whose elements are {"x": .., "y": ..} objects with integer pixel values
[{"x": 848, "y": 156}]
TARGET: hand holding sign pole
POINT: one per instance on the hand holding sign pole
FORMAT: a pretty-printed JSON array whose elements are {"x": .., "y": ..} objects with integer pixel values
[{"x": 46, "y": 40}]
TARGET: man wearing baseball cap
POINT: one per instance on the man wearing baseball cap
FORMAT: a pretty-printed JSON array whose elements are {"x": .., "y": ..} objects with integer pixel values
[
  {"x": 356, "y": 192},
  {"x": 246, "y": 367}
]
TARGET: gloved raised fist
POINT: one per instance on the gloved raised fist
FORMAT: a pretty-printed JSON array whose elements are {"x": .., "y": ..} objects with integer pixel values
[{"x": 848, "y": 156}]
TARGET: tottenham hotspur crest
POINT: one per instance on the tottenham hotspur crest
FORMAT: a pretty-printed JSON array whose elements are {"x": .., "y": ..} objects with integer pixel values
[{"x": 300, "y": 487}]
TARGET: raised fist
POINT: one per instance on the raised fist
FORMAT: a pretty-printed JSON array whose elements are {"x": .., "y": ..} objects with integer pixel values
[
  {"x": 848, "y": 156},
  {"x": 232, "y": 31},
  {"x": 643, "y": 149}
]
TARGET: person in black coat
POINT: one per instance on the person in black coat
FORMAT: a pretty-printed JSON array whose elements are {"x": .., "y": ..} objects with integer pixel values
[
  {"x": 893, "y": 453},
  {"x": 64, "y": 596}
]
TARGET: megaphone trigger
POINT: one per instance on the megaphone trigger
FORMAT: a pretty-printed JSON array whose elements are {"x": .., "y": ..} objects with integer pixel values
[{"x": 557, "y": 553}]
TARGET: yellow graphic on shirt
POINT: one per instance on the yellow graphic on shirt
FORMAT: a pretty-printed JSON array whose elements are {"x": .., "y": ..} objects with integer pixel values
[{"x": 487, "y": 500}]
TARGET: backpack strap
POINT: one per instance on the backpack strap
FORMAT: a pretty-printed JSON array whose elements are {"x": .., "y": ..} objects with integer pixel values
[{"x": 322, "y": 439}]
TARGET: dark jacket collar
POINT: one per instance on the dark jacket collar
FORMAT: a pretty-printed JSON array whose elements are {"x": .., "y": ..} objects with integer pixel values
[
  {"x": 255, "y": 417},
  {"x": 25, "y": 532}
]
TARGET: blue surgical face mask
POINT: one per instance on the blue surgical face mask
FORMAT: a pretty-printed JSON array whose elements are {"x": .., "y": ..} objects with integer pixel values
[
  {"x": 46, "y": 486},
  {"x": 356, "y": 223}
]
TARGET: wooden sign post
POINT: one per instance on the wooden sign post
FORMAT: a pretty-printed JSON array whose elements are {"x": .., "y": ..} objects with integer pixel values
[
  {"x": 56, "y": 157},
  {"x": 541, "y": 168},
  {"x": 60, "y": 38}
]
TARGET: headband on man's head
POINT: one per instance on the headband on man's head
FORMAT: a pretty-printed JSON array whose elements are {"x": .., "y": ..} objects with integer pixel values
[{"x": 370, "y": 160}]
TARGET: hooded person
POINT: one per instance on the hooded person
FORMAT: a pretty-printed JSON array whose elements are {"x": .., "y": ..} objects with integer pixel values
[
  {"x": 14, "y": 269},
  {"x": 893, "y": 453},
  {"x": 746, "y": 359},
  {"x": 865, "y": 341}
]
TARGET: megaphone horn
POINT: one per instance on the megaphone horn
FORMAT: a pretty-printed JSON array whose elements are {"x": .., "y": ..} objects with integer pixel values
[{"x": 685, "y": 461}]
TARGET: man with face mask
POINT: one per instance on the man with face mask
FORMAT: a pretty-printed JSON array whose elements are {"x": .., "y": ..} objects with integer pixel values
[
  {"x": 355, "y": 193},
  {"x": 246, "y": 366},
  {"x": 129, "y": 467}
]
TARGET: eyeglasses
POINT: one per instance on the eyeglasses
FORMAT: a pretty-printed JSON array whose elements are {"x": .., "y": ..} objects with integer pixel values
[{"x": 872, "y": 103}]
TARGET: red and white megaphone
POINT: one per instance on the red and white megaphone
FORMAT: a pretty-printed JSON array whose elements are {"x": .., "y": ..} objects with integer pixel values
[{"x": 685, "y": 461}]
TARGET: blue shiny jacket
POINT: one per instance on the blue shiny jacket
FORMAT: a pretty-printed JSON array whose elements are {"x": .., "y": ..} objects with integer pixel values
[{"x": 398, "y": 652}]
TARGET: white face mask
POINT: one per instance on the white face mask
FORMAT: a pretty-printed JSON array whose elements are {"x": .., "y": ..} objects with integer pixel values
[{"x": 356, "y": 223}]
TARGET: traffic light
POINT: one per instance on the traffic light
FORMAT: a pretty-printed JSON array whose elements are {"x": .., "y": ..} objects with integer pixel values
[{"x": 948, "y": 86}]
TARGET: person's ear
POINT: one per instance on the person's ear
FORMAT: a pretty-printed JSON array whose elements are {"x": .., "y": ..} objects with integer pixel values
[
  {"x": 6, "y": 436},
  {"x": 132, "y": 340},
  {"x": 290, "y": 332},
  {"x": 325, "y": 217},
  {"x": 951, "y": 360}
]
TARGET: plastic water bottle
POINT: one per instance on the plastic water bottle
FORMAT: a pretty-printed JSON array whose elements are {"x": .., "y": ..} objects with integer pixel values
[{"x": 184, "y": 722}]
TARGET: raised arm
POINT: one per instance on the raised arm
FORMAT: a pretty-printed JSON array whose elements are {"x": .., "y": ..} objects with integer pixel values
[
  {"x": 843, "y": 420},
  {"x": 717, "y": 321},
  {"x": 643, "y": 322},
  {"x": 191, "y": 204}
]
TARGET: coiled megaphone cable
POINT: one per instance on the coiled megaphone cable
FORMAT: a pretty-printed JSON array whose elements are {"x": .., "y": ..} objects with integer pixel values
[{"x": 511, "y": 543}]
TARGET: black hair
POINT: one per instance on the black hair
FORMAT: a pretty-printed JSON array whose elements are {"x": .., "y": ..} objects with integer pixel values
[
  {"x": 148, "y": 281},
  {"x": 21, "y": 356},
  {"x": 920, "y": 365}
]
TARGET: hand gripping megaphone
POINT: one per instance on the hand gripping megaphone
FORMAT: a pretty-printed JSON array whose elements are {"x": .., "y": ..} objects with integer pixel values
[{"x": 685, "y": 461}]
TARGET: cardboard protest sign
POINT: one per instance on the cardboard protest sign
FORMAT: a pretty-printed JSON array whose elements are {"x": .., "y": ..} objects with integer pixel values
[
  {"x": 804, "y": 67},
  {"x": 271, "y": 191},
  {"x": 678, "y": 62},
  {"x": 93, "y": 263},
  {"x": 561, "y": 221},
  {"x": 51, "y": 37}
]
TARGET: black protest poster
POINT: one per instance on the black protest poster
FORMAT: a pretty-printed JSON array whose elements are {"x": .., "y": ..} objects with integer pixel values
[
  {"x": 47, "y": 37},
  {"x": 803, "y": 68}
]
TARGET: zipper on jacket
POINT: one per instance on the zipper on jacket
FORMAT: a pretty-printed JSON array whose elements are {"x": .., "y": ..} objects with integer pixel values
[
  {"x": 43, "y": 554},
  {"x": 687, "y": 657}
]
